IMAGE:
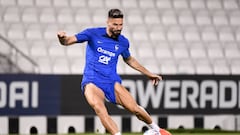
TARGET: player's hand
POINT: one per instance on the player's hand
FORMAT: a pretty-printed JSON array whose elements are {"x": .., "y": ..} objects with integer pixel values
[
  {"x": 155, "y": 79},
  {"x": 61, "y": 34}
]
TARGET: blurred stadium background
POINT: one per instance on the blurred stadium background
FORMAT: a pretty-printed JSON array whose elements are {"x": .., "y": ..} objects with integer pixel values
[{"x": 197, "y": 39}]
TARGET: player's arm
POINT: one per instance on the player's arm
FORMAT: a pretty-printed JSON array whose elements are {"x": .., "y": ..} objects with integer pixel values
[
  {"x": 132, "y": 62},
  {"x": 66, "y": 40}
]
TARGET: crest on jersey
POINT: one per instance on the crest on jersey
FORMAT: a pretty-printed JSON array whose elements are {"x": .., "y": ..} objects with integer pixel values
[{"x": 116, "y": 47}]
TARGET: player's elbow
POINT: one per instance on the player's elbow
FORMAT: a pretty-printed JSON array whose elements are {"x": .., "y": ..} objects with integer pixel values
[{"x": 127, "y": 60}]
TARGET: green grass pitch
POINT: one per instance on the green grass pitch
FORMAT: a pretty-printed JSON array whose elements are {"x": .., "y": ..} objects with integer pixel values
[
  {"x": 183, "y": 133},
  {"x": 172, "y": 134},
  {"x": 205, "y": 133}
]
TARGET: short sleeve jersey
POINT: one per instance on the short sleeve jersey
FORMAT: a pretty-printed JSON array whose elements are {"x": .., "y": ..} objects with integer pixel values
[{"x": 102, "y": 54}]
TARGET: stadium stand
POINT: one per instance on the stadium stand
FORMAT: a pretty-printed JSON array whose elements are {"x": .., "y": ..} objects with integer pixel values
[{"x": 175, "y": 33}]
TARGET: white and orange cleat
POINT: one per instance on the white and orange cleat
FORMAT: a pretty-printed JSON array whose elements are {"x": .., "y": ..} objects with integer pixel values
[{"x": 154, "y": 132}]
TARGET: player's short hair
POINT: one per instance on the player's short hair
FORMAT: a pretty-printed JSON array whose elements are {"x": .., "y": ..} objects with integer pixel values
[{"x": 115, "y": 13}]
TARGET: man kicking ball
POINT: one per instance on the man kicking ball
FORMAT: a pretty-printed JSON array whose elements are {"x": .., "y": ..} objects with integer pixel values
[{"x": 100, "y": 79}]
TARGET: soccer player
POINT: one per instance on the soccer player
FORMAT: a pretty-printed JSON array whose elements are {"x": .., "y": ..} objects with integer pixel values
[{"x": 100, "y": 79}]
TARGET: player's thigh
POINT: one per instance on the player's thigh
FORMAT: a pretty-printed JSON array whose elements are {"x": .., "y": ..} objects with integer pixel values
[
  {"x": 94, "y": 95},
  {"x": 124, "y": 97}
]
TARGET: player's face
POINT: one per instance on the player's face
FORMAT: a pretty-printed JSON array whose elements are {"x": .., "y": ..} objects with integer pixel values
[{"x": 115, "y": 26}]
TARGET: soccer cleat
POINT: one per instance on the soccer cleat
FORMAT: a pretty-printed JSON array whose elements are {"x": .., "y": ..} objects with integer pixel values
[
  {"x": 164, "y": 132},
  {"x": 151, "y": 132},
  {"x": 154, "y": 132}
]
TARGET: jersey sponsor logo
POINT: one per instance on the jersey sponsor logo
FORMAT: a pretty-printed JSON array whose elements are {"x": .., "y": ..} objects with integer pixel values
[
  {"x": 104, "y": 59},
  {"x": 109, "y": 53}
]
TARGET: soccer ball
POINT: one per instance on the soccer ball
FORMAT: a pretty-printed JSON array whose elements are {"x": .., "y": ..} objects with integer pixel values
[
  {"x": 164, "y": 132},
  {"x": 154, "y": 132}
]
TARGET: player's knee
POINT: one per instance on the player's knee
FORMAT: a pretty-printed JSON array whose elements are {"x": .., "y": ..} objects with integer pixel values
[{"x": 97, "y": 107}]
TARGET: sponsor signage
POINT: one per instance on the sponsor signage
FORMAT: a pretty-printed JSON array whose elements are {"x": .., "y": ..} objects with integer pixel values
[
  {"x": 29, "y": 95},
  {"x": 176, "y": 94},
  {"x": 72, "y": 99},
  {"x": 187, "y": 94}
]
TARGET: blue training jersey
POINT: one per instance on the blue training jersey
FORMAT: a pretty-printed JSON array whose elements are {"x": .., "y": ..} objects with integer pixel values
[{"x": 102, "y": 54}]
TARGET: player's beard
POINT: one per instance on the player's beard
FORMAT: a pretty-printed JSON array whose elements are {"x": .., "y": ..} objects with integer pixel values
[{"x": 115, "y": 33}]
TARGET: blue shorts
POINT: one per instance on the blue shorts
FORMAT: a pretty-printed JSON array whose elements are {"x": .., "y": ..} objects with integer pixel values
[{"x": 107, "y": 88}]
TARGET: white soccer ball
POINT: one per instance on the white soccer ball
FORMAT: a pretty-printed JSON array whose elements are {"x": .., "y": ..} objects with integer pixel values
[{"x": 151, "y": 132}]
